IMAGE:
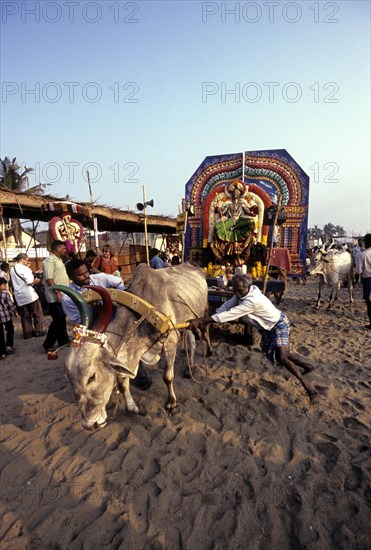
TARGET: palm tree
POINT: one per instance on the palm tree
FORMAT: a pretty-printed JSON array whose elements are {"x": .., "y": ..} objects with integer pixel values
[
  {"x": 315, "y": 232},
  {"x": 10, "y": 178},
  {"x": 330, "y": 230},
  {"x": 340, "y": 231}
]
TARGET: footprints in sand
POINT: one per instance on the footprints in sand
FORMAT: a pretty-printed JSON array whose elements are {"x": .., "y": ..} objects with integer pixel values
[
  {"x": 262, "y": 469},
  {"x": 252, "y": 392},
  {"x": 150, "y": 470},
  {"x": 189, "y": 465},
  {"x": 303, "y": 350},
  {"x": 272, "y": 386},
  {"x": 354, "y": 480},
  {"x": 331, "y": 453},
  {"x": 321, "y": 390},
  {"x": 353, "y": 424}
]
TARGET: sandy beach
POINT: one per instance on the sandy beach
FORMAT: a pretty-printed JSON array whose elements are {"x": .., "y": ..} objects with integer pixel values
[{"x": 248, "y": 463}]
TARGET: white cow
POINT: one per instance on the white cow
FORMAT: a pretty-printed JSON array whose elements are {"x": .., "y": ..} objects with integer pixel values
[
  {"x": 332, "y": 266},
  {"x": 112, "y": 354}
]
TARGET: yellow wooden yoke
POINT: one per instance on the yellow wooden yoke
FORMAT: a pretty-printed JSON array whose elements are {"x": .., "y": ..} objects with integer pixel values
[{"x": 156, "y": 318}]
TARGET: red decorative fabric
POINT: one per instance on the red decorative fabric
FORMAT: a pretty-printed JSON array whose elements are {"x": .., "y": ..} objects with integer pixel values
[
  {"x": 281, "y": 259},
  {"x": 67, "y": 207}
]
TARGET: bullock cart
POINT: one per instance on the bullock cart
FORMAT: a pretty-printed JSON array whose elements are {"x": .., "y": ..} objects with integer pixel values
[{"x": 217, "y": 296}]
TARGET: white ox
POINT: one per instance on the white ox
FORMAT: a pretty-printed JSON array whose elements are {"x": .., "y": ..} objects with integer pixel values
[
  {"x": 94, "y": 368},
  {"x": 332, "y": 266}
]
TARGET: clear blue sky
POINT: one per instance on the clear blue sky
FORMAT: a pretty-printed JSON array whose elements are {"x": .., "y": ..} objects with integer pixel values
[{"x": 146, "y": 100}]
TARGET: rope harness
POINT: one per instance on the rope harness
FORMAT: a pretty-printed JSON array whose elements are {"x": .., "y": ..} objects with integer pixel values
[
  {"x": 117, "y": 393},
  {"x": 186, "y": 345},
  {"x": 188, "y": 359}
]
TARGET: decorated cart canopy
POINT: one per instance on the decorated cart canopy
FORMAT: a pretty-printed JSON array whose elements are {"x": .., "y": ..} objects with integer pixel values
[{"x": 235, "y": 198}]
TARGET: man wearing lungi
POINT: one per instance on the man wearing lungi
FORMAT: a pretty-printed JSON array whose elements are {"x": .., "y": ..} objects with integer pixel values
[{"x": 250, "y": 305}]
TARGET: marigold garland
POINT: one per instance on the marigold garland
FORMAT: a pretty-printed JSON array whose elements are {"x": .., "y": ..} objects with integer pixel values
[{"x": 82, "y": 333}]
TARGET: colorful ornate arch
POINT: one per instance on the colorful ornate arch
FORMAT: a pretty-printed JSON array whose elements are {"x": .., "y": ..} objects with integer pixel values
[{"x": 271, "y": 174}]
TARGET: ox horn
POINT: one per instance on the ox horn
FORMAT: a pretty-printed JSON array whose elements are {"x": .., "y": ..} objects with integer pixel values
[
  {"x": 84, "y": 309},
  {"x": 104, "y": 318}
]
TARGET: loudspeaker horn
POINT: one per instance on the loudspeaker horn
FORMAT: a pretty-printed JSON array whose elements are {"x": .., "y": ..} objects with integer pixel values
[{"x": 140, "y": 206}]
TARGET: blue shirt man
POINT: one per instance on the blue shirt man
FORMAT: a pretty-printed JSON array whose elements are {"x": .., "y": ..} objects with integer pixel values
[
  {"x": 156, "y": 262},
  {"x": 80, "y": 276}
]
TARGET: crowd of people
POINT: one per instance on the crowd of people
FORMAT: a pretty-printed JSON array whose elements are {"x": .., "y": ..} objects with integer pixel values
[
  {"x": 20, "y": 293},
  {"x": 162, "y": 259}
]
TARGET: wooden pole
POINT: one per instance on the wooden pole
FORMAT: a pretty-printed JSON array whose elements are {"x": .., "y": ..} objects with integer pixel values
[
  {"x": 145, "y": 224},
  {"x": 184, "y": 233},
  {"x": 34, "y": 243},
  {"x": 89, "y": 239},
  {"x": 5, "y": 245},
  {"x": 271, "y": 246},
  {"x": 95, "y": 225}
]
